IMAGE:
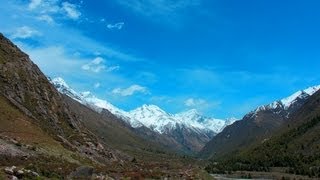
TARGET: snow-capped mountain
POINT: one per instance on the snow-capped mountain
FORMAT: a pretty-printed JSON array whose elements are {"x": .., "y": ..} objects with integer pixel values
[
  {"x": 88, "y": 99},
  {"x": 154, "y": 118},
  {"x": 150, "y": 116},
  {"x": 258, "y": 125},
  {"x": 64, "y": 88},
  {"x": 196, "y": 120},
  {"x": 288, "y": 103},
  {"x": 158, "y": 120}
]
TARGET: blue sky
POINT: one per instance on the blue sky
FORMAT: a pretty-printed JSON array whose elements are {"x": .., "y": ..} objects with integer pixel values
[{"x": 223, "y": 58}]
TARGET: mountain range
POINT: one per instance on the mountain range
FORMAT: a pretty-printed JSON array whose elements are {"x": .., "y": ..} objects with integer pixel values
[
  {"x": 199, "y": 128},
  {"x": 293, "y": 147},
  {"x": 50, "y": 131},
  {"x": 258, "y": 125},
  {"x": 48, "y": 135}
]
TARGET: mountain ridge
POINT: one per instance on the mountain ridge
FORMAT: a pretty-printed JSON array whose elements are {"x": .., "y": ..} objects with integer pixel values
[
  {"x": 188, "y": 129},
  {"x": 293, "y": 149},
  {"x": 257, "y": 125},
  {"x": 145, "y": 114}
]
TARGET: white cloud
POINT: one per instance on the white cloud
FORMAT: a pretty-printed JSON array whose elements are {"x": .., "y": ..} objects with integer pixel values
[
  {"x": 113, "y": 68},
  {"x": 60, "y": 62},
  {"x": 71, "y": 10},
  {"x": 47, "y": 9},
  {"x": 97, "y": 65},
  {"x": 118, "y": 26},
  {"x": 46, "y": 18},
  {"x": 191, "y": 102},
  {"x": 56, "y": 63},
  {"x": 45, "y": 6},
  {"x": 34, "y": 4},
  {"x": 130, "y": 90},
  {"x": 25, "y": 32}
]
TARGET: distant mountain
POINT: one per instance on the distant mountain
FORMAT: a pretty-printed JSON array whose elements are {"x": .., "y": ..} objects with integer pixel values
[
  {"x": 295, "y": 148},
  {"x": 160, "y": 121},
  {"x": 257, "y": 125},
  {"x": 190, "y": 129}
]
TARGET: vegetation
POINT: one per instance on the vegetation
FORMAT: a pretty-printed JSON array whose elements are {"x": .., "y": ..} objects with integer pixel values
[{"x": 296, "y": 151}]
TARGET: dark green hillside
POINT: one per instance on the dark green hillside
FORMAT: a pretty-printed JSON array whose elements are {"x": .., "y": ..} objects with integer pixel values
[{"x": 296, "y": 148}]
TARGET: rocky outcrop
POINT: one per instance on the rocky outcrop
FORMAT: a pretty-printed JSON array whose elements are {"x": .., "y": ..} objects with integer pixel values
[
  {"x": 23, "y": 83},
  {"x": 28, "y": 89}
]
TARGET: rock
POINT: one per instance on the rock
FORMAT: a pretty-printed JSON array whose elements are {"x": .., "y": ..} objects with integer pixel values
[
  {"x": 103, "y": 177},
  {"x": 82, "y": 171},
  {"x": 14, "y": 178},
  {"x": 35, "y": 174},
  {"x": 19, "y": 174},
  {"x": 10, "y": 170},
  {"x": 100, "y": 147}
]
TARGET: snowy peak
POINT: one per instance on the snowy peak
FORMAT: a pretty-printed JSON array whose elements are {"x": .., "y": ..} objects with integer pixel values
[
  {"x": 312, "y": 90},
  {"x": 152, "y": 109},
  {"x": 59, "y": 82},
  {"x": 157, "y": 119},
  {"x": 150, "y": 116},
  {"x": 64, "y": 88},
  {"x": 288, "y": 102},
  {"x": 303, "y": 94},
  {"x": 88, "y": 99},
  {"x": 192, "y": 114},
  {"x": 154, "y": 118}
]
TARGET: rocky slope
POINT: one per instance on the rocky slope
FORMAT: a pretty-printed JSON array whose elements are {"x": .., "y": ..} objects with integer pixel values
[
  {"x": 257, "y": 125},
  {"x": 34, "y": 112},
  {"x": 46, "y": 137}
]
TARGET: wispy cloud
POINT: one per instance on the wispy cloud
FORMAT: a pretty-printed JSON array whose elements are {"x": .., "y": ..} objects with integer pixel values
[
  {"x": 34, "y": 3},
  {"x": 191, "y": 102},
  {"x": 46, "y": 9},
  {"x": 56, "y": 63},
  {"x": 60, "y": 62},
  {"x": 97, "y": 65},
  {"x": 118, "y": 26},
  {"x": 130, "y": 90},
  {"x": 112, "y": 68},
  {"x": 46, "y": 18},
  {"x": 25, "y": 32},
  {"x": 71, "y": 10},
  {"x": 44, "y": 6}
]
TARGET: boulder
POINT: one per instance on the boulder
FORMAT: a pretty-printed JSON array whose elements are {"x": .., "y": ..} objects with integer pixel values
[{"x": 10, "y": 170}]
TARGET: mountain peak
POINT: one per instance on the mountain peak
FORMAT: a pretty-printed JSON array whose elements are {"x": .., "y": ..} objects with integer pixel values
[
  {"x": 312, "y": 90},
  {"x": 287, "y": 102},
  {"x": 58, "y": 81},
  {"x": 191, "y": 114},
  {"x": 150, "y": 108},
  {"x": 148, "y": 115}
]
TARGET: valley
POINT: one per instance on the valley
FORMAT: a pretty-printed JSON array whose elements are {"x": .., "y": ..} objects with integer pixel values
[{"x": 50, "y": 131}]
